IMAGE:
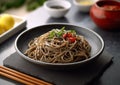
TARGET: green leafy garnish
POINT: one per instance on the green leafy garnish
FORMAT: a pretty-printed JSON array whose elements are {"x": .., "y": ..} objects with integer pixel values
[
  {"x": 52, "y": 34},
  {"x": 73, "y": 31},
  {"x": 58, "y": 33}
]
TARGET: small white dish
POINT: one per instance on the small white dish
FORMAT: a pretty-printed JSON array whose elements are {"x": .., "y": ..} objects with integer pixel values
[
  {"x": 57, "y": 8},
  {"x": 20, "y": 24},
  {"x": 83, "y": 5}
]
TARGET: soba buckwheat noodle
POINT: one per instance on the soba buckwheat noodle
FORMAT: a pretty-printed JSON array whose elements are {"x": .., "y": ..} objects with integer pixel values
[{"x": 59, "y": 46}]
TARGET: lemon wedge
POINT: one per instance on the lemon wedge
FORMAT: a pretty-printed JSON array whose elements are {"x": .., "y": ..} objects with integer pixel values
[
  {"x": 2, "y": 28},
  {"x": 7, "y": 21}
]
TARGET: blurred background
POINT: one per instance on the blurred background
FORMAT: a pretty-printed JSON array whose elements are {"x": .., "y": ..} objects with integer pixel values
[{"x": 19, "y": 7}]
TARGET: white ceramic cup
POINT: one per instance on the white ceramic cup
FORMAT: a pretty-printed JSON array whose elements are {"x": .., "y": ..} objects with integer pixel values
[{"x": 57, "y": 13}]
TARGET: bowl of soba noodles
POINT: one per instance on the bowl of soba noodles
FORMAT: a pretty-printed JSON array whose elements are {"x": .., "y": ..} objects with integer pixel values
[{"x": 59, "y": 46}]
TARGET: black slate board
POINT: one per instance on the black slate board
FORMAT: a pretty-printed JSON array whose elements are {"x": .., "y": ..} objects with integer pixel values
[{"x": 72, "y": 77}]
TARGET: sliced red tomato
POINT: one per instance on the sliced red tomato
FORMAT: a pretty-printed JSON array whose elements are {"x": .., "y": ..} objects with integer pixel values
[
  {"x": 72, "y": 39},
  {"x": 69, "y": 34},
  {"x": 65, "y": 35}
]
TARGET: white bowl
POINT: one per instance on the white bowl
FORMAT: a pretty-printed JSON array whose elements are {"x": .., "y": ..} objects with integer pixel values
[
  {"x": 57, "y": 12},
  {"x": 84, "y": 5}
]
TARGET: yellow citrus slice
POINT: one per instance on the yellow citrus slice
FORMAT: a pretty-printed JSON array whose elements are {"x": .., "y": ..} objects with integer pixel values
[
  {"x": 2, "y": 29},
  {"x": 7, "y": 20}
]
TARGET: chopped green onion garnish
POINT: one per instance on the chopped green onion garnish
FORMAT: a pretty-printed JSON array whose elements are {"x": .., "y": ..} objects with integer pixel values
[
  {"x": 52, "y": 34},
  {"x": 73, "y": 31},
  {"x": 59, "y": 33}
]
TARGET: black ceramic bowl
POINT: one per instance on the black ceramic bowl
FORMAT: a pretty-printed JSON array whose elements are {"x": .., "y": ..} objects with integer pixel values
[{"x": 96, "y": 42}]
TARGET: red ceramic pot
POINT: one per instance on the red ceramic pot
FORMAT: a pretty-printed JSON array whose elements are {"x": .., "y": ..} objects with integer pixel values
[{"x": 106, "y": 14}]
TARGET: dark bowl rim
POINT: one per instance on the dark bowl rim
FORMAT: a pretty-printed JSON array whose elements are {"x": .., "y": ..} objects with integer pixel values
[{"x": 59, "y": 64}]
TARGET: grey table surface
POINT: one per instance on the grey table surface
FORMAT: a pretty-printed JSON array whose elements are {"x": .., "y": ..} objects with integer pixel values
[{"x": 39, "y": 17}]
